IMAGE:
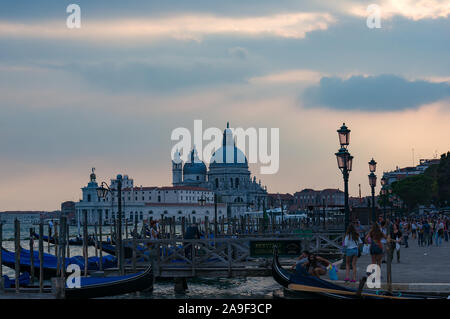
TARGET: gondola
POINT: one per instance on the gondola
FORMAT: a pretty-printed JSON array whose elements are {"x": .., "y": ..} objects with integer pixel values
[
  {"x": 97, "y": 287},
  {"x": 73, "y": 242},
  {"x": 51, "y": 261},
  {"x": 302, "y": 285}
]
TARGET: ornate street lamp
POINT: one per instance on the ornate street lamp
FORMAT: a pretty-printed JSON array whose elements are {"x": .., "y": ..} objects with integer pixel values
[
  {"x": 344, "y": 135},
  {"x": 372, "y": 166},
  {"x": 345, "y": 162},
  {"x": 102, "y": 191},
  {"x": 384, "y": 193},
  {"x": 373, "y": 183}
]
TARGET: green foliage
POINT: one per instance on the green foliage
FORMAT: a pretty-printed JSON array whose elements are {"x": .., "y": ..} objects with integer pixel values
[
  {"x": 443, "y": 179},
  {"x": 432, "y": 187},
  {"x": 414, "y": 190}
]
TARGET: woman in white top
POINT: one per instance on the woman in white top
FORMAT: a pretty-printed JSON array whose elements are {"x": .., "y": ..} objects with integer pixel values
[{"x": 351, "y": 244}]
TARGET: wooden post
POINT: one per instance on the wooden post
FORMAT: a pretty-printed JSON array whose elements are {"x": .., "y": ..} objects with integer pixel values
[
  {"x": 183, "y": 230},
  {"x": 58, "y": 287},
  {"x": 31, "y": 256},
  {"x": 100, "y": 222},
  {"x": 116, "y": 242},
  {"x": 68, "y": 238},
  {"x": 96, "y": 240},
  {"x": 41, "y": 257},
  {"x": 206, "y": 227},
  {"x": 1, "y": 248},
  {"x": 134, "y": 246},
  {"x": 389, "y": 266},
  {"x": 57, "y": 252},
  {"x": 85, "y": 242},
  {"x": 49, "y": 236},
  {"x": 62, "y": 245},
  {"x": 17, "y": 251}
]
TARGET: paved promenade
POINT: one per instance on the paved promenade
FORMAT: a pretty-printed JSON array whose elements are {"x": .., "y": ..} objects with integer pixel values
[{"x": 420, "y": 268}]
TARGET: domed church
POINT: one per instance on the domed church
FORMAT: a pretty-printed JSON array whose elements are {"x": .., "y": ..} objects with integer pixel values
[{"x": 228, "y": 176}]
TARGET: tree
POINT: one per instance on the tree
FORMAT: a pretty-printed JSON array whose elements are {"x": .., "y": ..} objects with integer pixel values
[
  {"x": 414, "y": 190},
  {"x": 443, "y": 179}
]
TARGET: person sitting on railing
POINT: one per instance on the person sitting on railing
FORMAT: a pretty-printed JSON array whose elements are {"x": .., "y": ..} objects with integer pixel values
[
  {"x": 299, "y": 265},
  {"x": 316, "y": 265}
]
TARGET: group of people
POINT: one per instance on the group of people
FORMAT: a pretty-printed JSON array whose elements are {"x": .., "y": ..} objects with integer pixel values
[
  {"x": 384, "y": 237},
  {"x": 429, "y": 230}
]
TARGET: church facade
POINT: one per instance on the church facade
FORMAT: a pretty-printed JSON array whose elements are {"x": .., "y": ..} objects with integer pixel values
[{"x": 228, "y": 176}]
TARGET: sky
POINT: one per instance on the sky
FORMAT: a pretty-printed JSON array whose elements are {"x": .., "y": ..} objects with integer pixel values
[{"x": 109, "y": 94}]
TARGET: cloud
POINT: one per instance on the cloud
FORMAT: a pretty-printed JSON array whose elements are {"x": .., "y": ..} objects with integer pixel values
[
  {"x": 411, "y": 9},
  {"x": 374, "y": 93},
  {"x": 238, "y": 52},
  {"x": 181, "y": 27}
]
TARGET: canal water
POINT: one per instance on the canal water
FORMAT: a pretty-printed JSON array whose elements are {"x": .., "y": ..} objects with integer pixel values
[{"x": 252, "y": 287}]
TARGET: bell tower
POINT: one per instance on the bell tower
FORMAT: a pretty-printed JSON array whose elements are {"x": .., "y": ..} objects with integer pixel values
[{"x": 177, "y": 169}]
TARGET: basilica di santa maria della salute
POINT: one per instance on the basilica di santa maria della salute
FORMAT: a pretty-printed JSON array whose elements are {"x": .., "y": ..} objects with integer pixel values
[{"x": 192, "y": 191}]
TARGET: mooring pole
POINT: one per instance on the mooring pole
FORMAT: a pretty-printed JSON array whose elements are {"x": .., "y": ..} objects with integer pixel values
[
  {"x": 85, "y": 242},
  {"x": 41, "y": 256},
  {"x": 17, "y": 251},
  {"x": 31, "y": 256},
  {"x": 1, "y": 248},
  {"x": 100, "y": 222},
  {"x": 68, "y": 238},
  {"x": 63, "y": 236}
]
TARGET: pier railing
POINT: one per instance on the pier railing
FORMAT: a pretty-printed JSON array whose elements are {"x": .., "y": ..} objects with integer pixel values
[{"x": 230, "y": 257}]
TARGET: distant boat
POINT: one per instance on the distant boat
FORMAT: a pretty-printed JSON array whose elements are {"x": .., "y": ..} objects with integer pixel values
[{"x": 50, "y": 262}]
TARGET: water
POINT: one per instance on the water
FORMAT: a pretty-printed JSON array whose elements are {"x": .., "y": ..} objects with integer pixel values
[{"x": 252, "y": 287}]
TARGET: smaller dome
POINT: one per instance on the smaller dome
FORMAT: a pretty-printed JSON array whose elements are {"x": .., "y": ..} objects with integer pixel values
[{"x": 194, "y": 165}]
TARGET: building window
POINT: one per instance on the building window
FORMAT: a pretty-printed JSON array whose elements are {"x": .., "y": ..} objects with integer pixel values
[
  {"x": 217, "y": 183},
  {"x": 193, "y": 212},
  {"x": 165, "y": 212},
  {"x": 180, "y": 212},
  {"x": 159, "y": 199},
  {"x": 236, "y": 184},
  {"x": 89, "y": 197},
  {"x": 150, "y": 212}
]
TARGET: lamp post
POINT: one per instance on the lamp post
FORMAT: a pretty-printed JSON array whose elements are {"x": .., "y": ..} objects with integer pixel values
[
  {"x": 345, "y": 160},
  {"x": 102, "y": 191},
  {"x": 384, "y": 193},
  {"x": 373, "y": 183}
]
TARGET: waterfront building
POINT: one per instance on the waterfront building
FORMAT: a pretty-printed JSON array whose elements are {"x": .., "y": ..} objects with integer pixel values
[
  {"x": 309, "y": 199},
  {"x": 192, "y": 191},
  {"x": 402, "y": 173}
]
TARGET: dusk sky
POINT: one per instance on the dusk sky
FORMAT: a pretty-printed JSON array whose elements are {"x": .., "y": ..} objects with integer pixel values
[{"x": 109, "y": 94}]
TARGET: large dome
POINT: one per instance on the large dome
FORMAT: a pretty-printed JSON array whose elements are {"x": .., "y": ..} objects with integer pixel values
[{"x": 228, "y": 155}]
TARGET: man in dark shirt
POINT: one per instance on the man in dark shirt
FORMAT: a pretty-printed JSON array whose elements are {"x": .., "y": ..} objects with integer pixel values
[{"x": 426, "y": 233}]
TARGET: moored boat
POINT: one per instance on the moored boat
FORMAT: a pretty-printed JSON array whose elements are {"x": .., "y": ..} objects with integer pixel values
[
  {"x": 303, "y": 285},
  {"x": 96, "y": 287}
]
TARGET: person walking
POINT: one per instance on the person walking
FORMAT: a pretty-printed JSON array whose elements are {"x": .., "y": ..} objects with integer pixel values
[
  {"x": 374, "y": 237},
  {"x": 352, "y": 243},
  {"x": 420, "y": 239},
  {"x": 406, "y": 231},
  {"x": 439, "y": 232},
  {"x": 395, "y": 240},
  {"x": 413, "y": 229},
  {"x": 427, "y": 233}
]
